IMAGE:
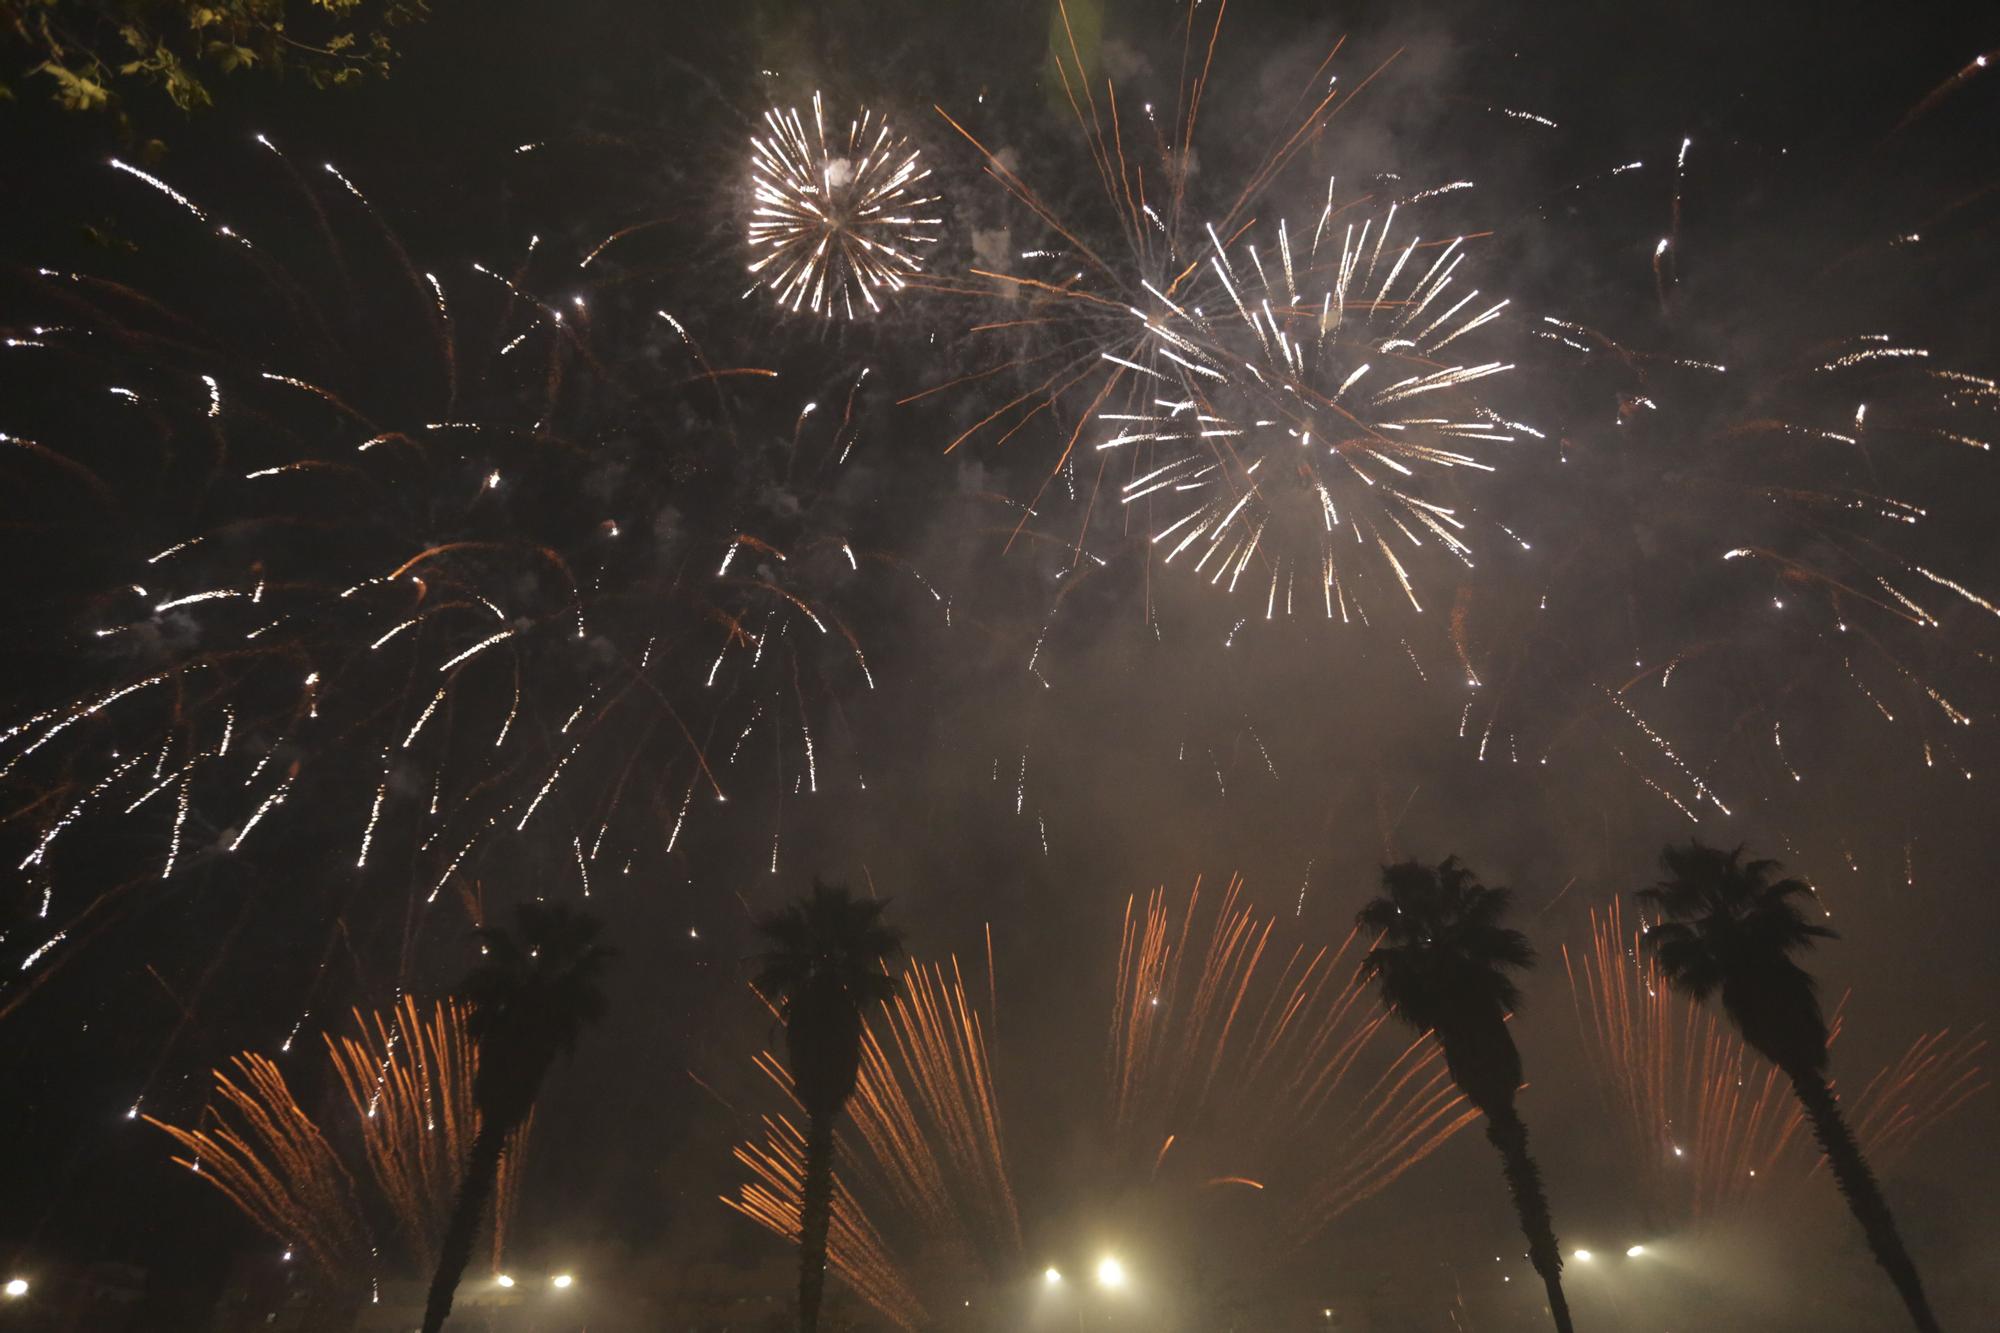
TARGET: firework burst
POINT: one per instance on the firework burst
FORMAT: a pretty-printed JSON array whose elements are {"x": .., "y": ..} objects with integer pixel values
[
  {"x": 928, "y": 1146},
  {"x": 1286, "y": 408},
  {"x": 839, "y": 223},
  {"x": 1229, "y": 1067},
  {"x": 414, "y": 571},
  {"x": 388, "y": 1166},
  {"x": 1706, "y": 1122},
  {"x": 1321, "y": 408},
  {"x": 1233, "y": 1058},
  {"x": 1278, "y": 408}
]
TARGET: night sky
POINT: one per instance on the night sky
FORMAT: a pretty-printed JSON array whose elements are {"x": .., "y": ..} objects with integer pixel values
[{"x": 987, "y": 697}]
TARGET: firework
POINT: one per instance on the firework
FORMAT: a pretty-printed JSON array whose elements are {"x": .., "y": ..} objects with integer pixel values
[
  {"x": 1305, "y": 394},
  {"x": 836, "y": 219},
  {"x": 1226, "y": 1068},
  {"x": 927, "y": 1143},
  {"x": 416, "y": 583},
  {"x": 407, "y": 1085},
  {"x": 1275, "y": 409},
  {"x": 1232, "y": 1057},
  {"x": 409, "y": 1081},
  {"x": 1300, "y": 415},
  {"x": 1707, "y": 1122},
  {"x": 1818, "y": 482},
  {"x": 853, "y": 1249},
  {"x": 276, "y": 1166}
]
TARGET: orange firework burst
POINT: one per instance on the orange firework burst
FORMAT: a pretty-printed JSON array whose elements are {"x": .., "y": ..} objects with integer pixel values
[
  {"x": 1226, "y": 1072},
  {"x": 930, "y": 1146},
  {"x": 269, "y": 1158},
  {"x": 1708, "y": 1122},
  {"x": 853, "y": 1249},
  {"x": 407, "y": 1084},
  {"x": 1230, "y": 1067}
]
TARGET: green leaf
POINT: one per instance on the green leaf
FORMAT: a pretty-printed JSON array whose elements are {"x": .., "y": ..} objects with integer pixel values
[{"x": 74, "y": 91}]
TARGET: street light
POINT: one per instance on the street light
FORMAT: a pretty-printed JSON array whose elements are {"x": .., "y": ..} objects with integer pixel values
[
  {"x": 16, "y": 1288},
  {"x": 1110, "y": 1273},
  {"x": 1634, "y": 1251},
  {"x": 504, "y": 1280},
  {"x": 1052, "y": 1276},
  {"x": 1583, "y": 1256},
  {"x": 562, "y": 1281}
]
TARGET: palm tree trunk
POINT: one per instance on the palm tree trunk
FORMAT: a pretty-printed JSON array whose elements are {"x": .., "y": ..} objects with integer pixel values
[
  {"x": 1864, "y": 1195},
  {"x": 1524, "y": 1181},
  {"x": 482, "y": 1168},
  {"x": 815, "y": 1217}
]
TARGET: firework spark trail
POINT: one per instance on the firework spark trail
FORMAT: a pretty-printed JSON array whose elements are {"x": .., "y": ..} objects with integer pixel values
[
  {"x": 836, "y": 218},
  {"x": 490, "y": 607},
  {"x": 1273, "y": 391},
  {"x": 271, "y": 1161},
  {"x": 407, "y": 1081},
  {"x": 1706, "y": 1120},
  {"x": 1248, "y": 446},
  {"x": 1241, "y": 1058},
  {"x": 928, "y": 1142},
  {"x": 1701, "y": 1117},
  {"x": 1906, "y": 1099},
  {"x": 930, "y": 1053},
  {"x": 1247, "y": 1056},
  {"x": 413, "y": 1103},
  {"x": 1809, "y": 520},
  {"x": 854, "y": 1249}
]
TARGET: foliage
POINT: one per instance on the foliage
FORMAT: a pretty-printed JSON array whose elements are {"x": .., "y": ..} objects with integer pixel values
[
  {"x": 825, "y": 965},
  {"x": 534, "y": 990},
  {"x": 1733, "y": 925},
  {"x": 823, "y": 968},
  {"x": 90, "y": 53},
  {"x": 1443, "y": 961}
]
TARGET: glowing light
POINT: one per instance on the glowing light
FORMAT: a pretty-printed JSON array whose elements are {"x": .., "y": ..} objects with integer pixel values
[
  {"x": 562, "y": 1281},
  {"x": 1052, "y": 1276},
  {"x": 1278, "y": 380},
  {"x": 836, "y": 217},
  {"x": 16, "y": 1287},
  {"x": 1582, "y": 1256},
  {"x": 1634, "y": 1251},
  {"x": 1110, "y": 1273},
  {"x": 504, "y": 1280}
]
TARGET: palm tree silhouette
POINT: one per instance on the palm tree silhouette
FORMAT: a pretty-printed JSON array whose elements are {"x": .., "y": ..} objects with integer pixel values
[
  {"x": 823, "y": 969},
  {"x": 533, "y": 992},
  {"x": 1442, "y": 959},
  {"x": 1732, "y": 926}
]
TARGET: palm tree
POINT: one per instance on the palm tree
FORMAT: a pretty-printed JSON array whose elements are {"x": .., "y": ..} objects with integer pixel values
[
  {"x": 823, "y": 969},
  {"x": 1442, "y": 959},
  {"x": 532, "y": 993},
  {"x": 1732, "y": 926}
]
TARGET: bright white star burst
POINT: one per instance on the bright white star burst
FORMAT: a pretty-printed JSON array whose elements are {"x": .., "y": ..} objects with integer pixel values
[{"x": 839, "y": 219}]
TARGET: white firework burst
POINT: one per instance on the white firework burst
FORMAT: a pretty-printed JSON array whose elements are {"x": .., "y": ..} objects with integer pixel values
[
  {"x": 1288, "y": 421},
  {"x": 836, "y": 216}
]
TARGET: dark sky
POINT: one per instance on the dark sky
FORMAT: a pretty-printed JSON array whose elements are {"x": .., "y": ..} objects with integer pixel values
[{"x": 1151, "y": 743}]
